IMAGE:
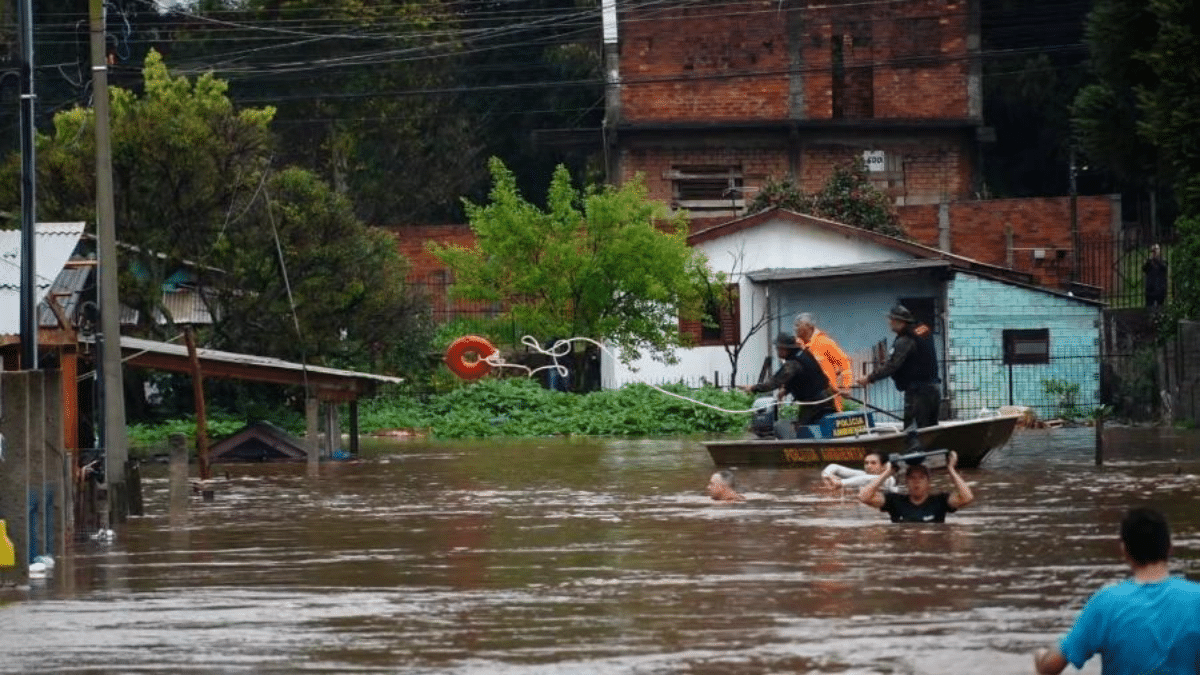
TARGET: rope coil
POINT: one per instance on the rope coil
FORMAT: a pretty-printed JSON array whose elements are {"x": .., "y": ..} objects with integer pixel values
[{"x": 488, "y": 357}]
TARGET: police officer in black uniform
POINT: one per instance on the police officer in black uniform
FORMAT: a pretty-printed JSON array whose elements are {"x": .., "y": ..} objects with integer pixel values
[
  {"x": 913, "y": 367},
  {"x": 801, "y": 376}
]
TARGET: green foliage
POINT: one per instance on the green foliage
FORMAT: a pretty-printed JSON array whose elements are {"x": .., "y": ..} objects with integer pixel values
[
  {"x": 154, "y": 437},
  {"x": 1184, "y": 302},
  {"x": 1066, "y": 394},
  {"x": 1105, "y": 113},
  {"x": 1172, "y": 124},
  {"x": 604, "y": 262},
  {"x": 195, "y": 189},
  {"x": 1140, "y": 117},
  {"x": 519, "y": 407},
  {"x": 847, "y": 197}
]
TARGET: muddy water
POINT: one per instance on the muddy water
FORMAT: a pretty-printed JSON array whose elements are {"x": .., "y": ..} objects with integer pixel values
[{"x": 587, "y": 556}]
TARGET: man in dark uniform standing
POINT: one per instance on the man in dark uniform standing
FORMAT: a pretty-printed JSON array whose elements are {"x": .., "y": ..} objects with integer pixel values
[
  {"x": 801, "y": 376},
  {"x": 913, "y": 367}
]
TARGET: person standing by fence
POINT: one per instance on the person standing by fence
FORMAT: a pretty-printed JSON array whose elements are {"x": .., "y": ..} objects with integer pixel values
[{"x": 1155, "y": 269}]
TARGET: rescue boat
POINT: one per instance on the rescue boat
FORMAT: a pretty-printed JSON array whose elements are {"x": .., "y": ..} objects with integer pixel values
[{"x": 846, "y": 437}]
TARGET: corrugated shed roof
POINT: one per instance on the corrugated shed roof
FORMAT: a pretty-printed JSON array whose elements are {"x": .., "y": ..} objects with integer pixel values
[
  {"x": 66, "y": 292},
  {"x": 53, "y": 245},
  {"x": 861, "y": 269},
  {"x": 264, "y": 362}
]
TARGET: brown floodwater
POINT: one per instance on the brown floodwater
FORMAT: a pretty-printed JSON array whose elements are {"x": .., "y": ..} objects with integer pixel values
[{"x": 597, "y": 556}]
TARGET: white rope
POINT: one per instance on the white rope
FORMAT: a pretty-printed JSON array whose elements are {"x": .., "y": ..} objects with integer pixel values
[{"x": 563, "y": 347}]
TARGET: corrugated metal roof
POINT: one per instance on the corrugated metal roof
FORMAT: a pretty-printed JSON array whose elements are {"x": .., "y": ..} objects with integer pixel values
[
  {"x": 860, "y": 269},
  {"x": 186, "y": 306},
  {"x": 53, "y": 245},
  {"x": 66, "y": 292},
  {"x": 213, "y": 355}
]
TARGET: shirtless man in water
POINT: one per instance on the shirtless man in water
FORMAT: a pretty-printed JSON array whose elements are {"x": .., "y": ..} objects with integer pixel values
[{"x": 720, "y": 487}]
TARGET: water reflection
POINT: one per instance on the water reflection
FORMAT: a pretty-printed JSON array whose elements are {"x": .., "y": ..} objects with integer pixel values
[{"x": 586, "y": 556}]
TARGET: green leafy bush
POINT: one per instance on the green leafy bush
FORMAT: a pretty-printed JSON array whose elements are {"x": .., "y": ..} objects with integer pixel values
[{"x": 520, "y": 407}]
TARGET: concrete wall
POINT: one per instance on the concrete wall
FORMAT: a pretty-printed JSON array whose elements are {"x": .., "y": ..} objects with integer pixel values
[
  {"x": 978, "y": 312},
  {"x": 34, "y": 486}
]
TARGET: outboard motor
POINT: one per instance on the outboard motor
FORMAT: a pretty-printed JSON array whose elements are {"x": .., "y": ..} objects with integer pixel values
[{"x": 766, "y": 413}]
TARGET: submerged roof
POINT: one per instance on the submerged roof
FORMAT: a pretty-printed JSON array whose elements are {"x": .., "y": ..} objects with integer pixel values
[
  {"x": 258, "y": 442},
  {"x": 52, "y": 247}
]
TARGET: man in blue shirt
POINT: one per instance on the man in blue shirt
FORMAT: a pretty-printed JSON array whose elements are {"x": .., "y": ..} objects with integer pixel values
[{"x": 1148, "y": 624}]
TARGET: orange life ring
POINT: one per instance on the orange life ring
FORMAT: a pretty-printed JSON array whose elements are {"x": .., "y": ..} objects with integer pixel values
[{"x": 456, "y": 357}]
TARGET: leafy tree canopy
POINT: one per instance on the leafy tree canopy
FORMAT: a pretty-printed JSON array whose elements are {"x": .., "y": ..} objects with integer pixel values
[
  {"x": 195, "y": 188},
  {"x": 1105, "y": 112},
  {"x": 847, "y": 197},
  {"x": 603, "y": 262},
  {"x": 1171, "y": 108}
]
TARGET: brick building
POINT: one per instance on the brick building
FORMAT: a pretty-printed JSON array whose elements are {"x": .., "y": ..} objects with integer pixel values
[{"x": 707, "y": 100}]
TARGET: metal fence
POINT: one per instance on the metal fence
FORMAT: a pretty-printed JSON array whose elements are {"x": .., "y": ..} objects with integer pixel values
[
  {"x": 1113, "y": 264},
  {"x": 1072, "y": 384}
]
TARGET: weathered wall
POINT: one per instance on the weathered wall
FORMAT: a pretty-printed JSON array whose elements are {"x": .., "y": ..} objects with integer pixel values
[
  {"x": 766, "y": 60},
  {"x": 979, "y": 229},
  {"x": 980, "y": 309}
]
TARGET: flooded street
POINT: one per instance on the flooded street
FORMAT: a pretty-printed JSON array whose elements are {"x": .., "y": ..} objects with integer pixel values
[{"x": 599, "y": 556}]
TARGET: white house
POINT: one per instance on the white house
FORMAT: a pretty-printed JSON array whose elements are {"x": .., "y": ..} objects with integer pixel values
[{"x": 999, "y": 338}]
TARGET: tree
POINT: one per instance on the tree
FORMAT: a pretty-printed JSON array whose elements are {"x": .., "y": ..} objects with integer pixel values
[
  {"x": 720, "y": 298},
  {"x": 604, "y": 263},
  {"x": 1106, "y": 112},
  {"x": 378, "y": 97},
  {"x": 1171, "y": 108},
  {"x": 847, "y": 197},
  {"x": 195, "y": 187}
]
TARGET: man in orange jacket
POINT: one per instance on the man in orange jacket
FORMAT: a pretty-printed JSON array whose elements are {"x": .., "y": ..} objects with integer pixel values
[{"x": 833, "y": 360}]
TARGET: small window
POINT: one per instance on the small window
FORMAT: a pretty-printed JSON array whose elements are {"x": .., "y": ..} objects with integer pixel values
[
  {"x": 721, "y": 323},
  {"x": 1027, "y": 346},
  {"x": 708, "y": 191}
]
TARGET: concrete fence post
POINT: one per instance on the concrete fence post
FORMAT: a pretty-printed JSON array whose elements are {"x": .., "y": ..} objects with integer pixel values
[{"x": 14, "y": 469}]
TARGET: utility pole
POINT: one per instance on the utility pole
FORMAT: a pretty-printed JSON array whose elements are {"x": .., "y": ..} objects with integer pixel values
[
  {"x": 116, "y": 444},
  {"x": 28, "y": 316},
  {"x": 1074, "y": 218}
]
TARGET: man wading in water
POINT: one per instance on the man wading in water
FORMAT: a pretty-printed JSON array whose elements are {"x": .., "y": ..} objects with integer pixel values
[{"x": 918, "y": 506}]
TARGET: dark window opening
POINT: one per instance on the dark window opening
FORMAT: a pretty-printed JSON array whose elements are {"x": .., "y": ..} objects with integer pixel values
[
  {"x": 1027, "y": 346},
  {"x": 924, "y": 310},
  {"x": 721, "y": 322},
  {"x": 708, "y": 191}
]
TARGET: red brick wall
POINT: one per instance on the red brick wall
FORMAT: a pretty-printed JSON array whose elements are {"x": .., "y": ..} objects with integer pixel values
[
  {"x": 937, "y": 171},
  {"x": 707, "y": 61},
  {"x": 411, "y": 241},
  {"x": 934, "y": 172},
  {"x": 429, "y": 275},
  {"x": 978, "y": 230},
  {"x": 724, "y": 61},
  {"x": 757, "y": 164},
  {"x": 916, "y": 52}
]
